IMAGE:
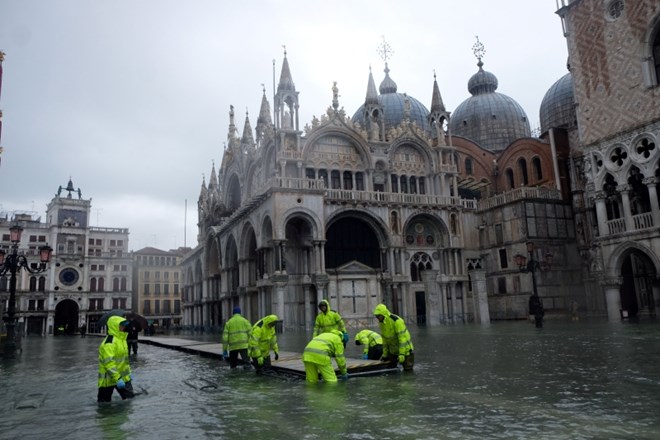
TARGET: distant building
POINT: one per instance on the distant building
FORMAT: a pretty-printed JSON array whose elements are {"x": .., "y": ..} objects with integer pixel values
[
  {"x": 89, "y": 273},
  {"x": 157, "y": 285}
]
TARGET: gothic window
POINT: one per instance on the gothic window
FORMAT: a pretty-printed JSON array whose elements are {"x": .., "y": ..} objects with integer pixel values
[
  {"x": 509, "y": 178},
  {"x": 420, "y": 184},
  {"x": 640, "y": 201},
  {"x": 395, "y": 184},
  {"x": 612, "y": 198},
  {"x": 413, "y": 185},
  {"x": 538, "y": 172},
  {"x": 420, "y": 262},
  {"x": 522, "y": 165},
  {"x": 310, "y": 173}
]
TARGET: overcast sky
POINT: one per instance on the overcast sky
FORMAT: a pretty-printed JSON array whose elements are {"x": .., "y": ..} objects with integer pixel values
[{"x": 130, "y": 98}]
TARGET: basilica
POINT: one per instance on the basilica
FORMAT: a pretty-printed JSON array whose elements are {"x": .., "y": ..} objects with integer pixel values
[{"x": 445, "y": 215}]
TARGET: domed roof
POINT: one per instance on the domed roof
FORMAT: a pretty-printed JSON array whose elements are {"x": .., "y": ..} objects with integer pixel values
[
  {"x": 558, "y": 105},
  {"x": 491, "y": 119},
  {"x": 393, "y": 105}
]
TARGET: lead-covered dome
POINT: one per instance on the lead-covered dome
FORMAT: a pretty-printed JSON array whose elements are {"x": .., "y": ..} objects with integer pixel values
[
  {"x": 393, "y": 106},
  {"x": 491, "y": 119},
  {"x": 558, "y": 105}
]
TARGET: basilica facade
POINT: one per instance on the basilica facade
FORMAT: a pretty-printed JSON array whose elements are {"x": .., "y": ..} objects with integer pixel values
[{"x": 445, "y": 216}]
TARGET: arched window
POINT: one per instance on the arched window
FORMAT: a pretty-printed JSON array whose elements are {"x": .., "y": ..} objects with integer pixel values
[
  {"x": 420, "y": 184},
  {"x": 395, "y": 184},
  {"x": 468, "y": 166},
  {"x": 413, "y": 185},
  {"x": 612, "y": 198},
  {"x": 115, "y": 284},
  {"x": 92, "y": 284},
  {"x": 359, "y": 181},
  {"x": 404, "y": 184},
  {"x": 419, "y": 263},
  {"x": 323, "y": 174},
  {"x": 509, "y": 178},
  {"x": 42, "y": 284},
  {"x": 522, "y": 165},
  {"x": 538, "y": 172},
  {"x": 335, "y": 180},
  {"x": 348, "y": 180},
  {"x": 33, "y": 284},
  {"x": 101, "y": 285},
  {"x": 123, "y": 283}
]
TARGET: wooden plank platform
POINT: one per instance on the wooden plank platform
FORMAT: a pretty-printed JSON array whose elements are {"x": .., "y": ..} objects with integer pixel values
[{"x": 288, "y": 362}]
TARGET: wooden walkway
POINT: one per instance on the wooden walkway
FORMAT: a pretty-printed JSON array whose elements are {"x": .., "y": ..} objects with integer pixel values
[{"x": 288, "y": 362}]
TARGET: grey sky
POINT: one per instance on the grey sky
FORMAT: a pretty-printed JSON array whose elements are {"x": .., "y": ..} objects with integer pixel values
[{"x": 130, "y": 98}]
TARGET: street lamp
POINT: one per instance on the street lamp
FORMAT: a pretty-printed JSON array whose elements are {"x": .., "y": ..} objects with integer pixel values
[
  {"x": 535, "y": 303},
  {"x": 533, "y": 265},
  {"x": 12, "y": 263}
]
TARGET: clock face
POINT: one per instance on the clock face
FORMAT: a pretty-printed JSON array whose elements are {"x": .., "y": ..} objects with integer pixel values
[{"x": 69, "y": 276}]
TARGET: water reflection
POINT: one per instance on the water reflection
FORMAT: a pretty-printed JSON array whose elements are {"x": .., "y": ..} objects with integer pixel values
[{"x": 506, "y": 380}]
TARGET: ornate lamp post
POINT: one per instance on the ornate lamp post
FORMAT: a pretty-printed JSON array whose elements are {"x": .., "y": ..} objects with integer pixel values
[
  {"x": 535, "y": 303},
  {"x": 12, "y": 263},
  {"x": 533, "y": 265}
]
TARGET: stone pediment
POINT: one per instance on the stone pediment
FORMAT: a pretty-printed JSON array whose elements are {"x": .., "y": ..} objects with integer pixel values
[{"x": 354, "y": 267}]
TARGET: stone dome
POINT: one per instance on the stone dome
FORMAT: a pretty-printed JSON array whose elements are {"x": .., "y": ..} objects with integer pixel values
[
  {"x": 558, "y": 105},
  {"x": 491, "y": 119},
  {"x": 393, "y": 105}
]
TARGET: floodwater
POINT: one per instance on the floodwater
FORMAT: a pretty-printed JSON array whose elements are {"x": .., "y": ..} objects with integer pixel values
[{"x": 569, "y": 380}]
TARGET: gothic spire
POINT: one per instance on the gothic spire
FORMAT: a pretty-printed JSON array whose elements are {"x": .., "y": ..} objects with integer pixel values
[{"x": 372, "y": 94}]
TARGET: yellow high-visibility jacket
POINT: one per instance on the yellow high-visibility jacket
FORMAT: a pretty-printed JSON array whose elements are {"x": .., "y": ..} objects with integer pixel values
[
  {"x": 368, "y": 339},
  {"x": 330, "y": 320},
  {"x": 236, "y": 333},
  {"x": 325, "y": 346},
  {"x": 396, "y": 338},
  {"x": 263, "y": 338},
  {"x": 113, "y": 355}
]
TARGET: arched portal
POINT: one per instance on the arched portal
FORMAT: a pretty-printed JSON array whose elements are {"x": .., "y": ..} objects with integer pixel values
[
  {"x": 66, "y": 317},
  {"x": 349, "y": 239},
  {"x": 638, "y": 274}
]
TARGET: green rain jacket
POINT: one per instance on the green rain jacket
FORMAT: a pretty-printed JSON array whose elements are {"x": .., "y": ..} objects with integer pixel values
[
  {"x": 113, "y": 355},
  {"x": 263, "y": 338},
  {"x": 328, "y": 320},
  {"x": 368, "y": 339},
  {"x": 325, "y": 346},
  {"x": 396, "y": 338},
  {"x": 236, "y": 333}
]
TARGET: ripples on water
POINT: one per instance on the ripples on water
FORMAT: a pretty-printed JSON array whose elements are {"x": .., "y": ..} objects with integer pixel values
[{"x": 503, "y": 381}]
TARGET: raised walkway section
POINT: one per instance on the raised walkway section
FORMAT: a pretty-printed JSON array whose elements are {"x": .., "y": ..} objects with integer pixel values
[{"x": 289, "y": 362}]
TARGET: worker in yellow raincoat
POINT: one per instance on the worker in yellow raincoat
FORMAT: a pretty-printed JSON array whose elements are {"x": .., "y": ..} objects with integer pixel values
[
  {"x": 318, "y": 355},
  {"x": 327, "y": 320},
  {"x": 397, "y": 345},
  {"x": 262, "y": 340},
  {"x": 114, "y": 370},
  {"x": 372, "y": 343}
]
